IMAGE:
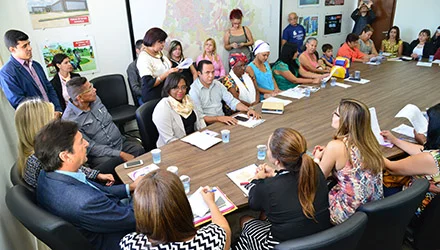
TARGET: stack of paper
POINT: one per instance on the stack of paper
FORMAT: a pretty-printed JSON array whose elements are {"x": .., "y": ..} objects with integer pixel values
[
  {"x": 424, "y": 64},
  {"x": 201, "y": 140},
  {"x": 142, "y": 171},
  {"x": 200, "y": 209},
  {"x": 274, "y": 99},
  {"x": 250, "y": 123},
  {"x": 243, "y": 176},
  {"x": 415, "y": 116},
  {"x": 376, "y": 129},
  {"x": 296, "y": 93}
]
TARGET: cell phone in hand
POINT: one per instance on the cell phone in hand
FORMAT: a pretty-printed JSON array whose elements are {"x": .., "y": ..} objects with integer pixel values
[
  {"x": 241, "y": 118},
  {"x": 133, "y": 164}
]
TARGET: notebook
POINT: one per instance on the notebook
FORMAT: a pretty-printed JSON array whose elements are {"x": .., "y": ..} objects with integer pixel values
[
  {"x": 272, "y": 108},
  {"x": 243, "y": 176}
]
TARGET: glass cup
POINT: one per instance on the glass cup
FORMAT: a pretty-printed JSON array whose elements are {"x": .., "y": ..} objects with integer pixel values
[
  {"x": 306, "y": 92},
  {"x": 357, "y": 75},
  {"x": 261, "y": 152},
  {"x": 431, "y": 58},
  {"x": 186, "y": 183},
  {"x": 225, "y": 135},
  {"x": 173, "y": 169},
  {"x": 419, "y": 58},
  {"x": 333, "y": 81},
  {"x": 323, "y": 83},
  {"x": 156, "y": 155}
]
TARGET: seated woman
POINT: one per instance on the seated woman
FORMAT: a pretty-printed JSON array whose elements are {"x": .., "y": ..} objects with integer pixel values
[
  {"x": 366, "y": 45},
  {"x": 423, "y": 161},
  {"x": 260, "y": 71},
  {"x": 355, "y": 159},
  {"x": 350, "y": 49},
  {"x": 303, "y": 212},
  {"x": 175, "y": 115},
  {"x": 287, "y": 71},
  {"x": 153, "y": 67},
  {"x": 30, "y": 116},
  {"x": 308, "y": 59},
  {"x": 436, "y": 39},
  {"x": 175, "y": 55},
  {"x": 393, "y": 44},
  {"x": 165, "y": 221},
  {"x": 210, "y": 53},
  {"x": 422, "y": 46},
  {"x": 239, "y": 83},
  {"x": 64, "y": 68}
]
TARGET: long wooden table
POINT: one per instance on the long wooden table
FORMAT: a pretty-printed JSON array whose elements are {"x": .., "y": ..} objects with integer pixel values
[{"x": 392, "y": 86}]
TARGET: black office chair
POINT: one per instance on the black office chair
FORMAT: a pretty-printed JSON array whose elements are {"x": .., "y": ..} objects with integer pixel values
[
  {"x": 16, "y": 178},
  {"x": 55, "y": 232},
  {"x": 406, "y": 49},
  {"x": 147, "y": 128},
  {"x": 344, "y": 236},
  {"x": 388, "y": 218},
  {"x": 135, "y": 98},
  {"x": 113, "y": 93}
]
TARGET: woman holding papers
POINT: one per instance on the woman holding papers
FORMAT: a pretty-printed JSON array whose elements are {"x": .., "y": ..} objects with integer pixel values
[
  {"x": 287, "y": 71},
  {"x": 259, "y": 70},
  {"x": 354, "y": 158},
  {"x": 292, "y": 193},
  {"x": 423, "y": 161},
  {"x": 164, "y": 219},
  {"x": 176, "y": 57},
  {"x": 393, "y": 44},
  {"x": 308, "y": 60},
  {"x": 239, "y": 83},
  {"x": 175, "y": 116}
]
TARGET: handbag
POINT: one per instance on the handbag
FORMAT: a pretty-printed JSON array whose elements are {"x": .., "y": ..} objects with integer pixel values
[{"x": 251, "y": 48}]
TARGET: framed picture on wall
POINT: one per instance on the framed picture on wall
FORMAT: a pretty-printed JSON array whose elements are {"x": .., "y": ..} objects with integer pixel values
[
  {"x": 308, "y": 3},
  {"x": 332, "y": 24},
  {"x": 310, "y": 24},
  {"x": 334, "y": 2}
]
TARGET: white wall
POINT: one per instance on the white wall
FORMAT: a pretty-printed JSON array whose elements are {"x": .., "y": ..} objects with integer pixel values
[
  {"x": 413, "y": 16},
  {"x": 334, "y": 39}
]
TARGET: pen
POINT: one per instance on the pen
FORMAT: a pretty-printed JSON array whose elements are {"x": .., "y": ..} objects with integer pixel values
[{"x": 212, "y": 190}]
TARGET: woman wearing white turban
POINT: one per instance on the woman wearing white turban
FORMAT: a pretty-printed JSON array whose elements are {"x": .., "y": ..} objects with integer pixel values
[{"x": 260, "y": 70}]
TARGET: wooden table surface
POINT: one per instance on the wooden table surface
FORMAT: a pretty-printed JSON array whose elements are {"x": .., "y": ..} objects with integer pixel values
[{"x": 392, "y": 86}]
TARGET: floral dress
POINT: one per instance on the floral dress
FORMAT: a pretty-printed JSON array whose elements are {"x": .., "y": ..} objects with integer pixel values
[{"x": 355, "y": 187}]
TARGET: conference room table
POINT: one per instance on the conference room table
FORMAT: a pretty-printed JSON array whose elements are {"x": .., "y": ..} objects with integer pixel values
[{"x": 392, "y": 85}]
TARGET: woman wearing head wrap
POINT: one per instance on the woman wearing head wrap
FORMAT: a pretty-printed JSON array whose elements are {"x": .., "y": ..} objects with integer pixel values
[
  {"x": 239, "y": 83},
  {"x": 287, "y": 71},
  {"x": 260, "y": 71}
]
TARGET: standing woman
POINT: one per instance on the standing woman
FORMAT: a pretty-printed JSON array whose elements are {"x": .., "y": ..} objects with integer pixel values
[
  {"x": 210, "y": 54},
  {"x": 164, "y": 219},
  {"x": 355, "y": 159},
  {"x": 393, "y": 44},
  {"x": 422, "y": 46},
  {"x": 64, "y": 68},
  {"x": 239, "y": 83},
  {"x": 362, "y": 16},
  {"x": 175, "y": 55},
  {"x": 308, "y": 60},
  {"x": 366, "y": 45},
  {"x": 259, "y": 70},
  {"x": 153, "y": 66},
  {"x": 175, "y": 115},
  {"x": 292, "y": 194},
  {"x": 238, "y": 38}
]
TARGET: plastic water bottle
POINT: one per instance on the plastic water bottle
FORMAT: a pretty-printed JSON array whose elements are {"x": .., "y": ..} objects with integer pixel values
[
  {"x": 307, "y": 92},
  {"x": 333, "y": 81},
  {"x": 323, "y": 83}
]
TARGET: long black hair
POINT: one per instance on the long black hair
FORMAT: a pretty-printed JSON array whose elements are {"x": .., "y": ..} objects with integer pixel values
[
  {"x": 286, "y": 56},
  {"x": 433, "y": 136}
]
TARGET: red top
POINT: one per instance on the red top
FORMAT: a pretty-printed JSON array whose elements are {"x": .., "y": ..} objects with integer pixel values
[{"x": 350, "y": 53}]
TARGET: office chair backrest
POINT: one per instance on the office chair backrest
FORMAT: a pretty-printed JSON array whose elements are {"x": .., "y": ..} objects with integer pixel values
[
  {"x": 147, "y": 128},
  {"x": 55, "y": 232},
  {"x": 343, "y": 236},
  {"x": 111, "y": 89},
  {"x": 406, "y": 49},
  {"x": 16, "y": 178},
  {"x": 388, "y": 218}
]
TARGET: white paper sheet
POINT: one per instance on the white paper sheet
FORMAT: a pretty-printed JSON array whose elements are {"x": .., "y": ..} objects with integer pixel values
[
  {"x": 361, "y": 81},
  {"x": 142, "y": 171},
  {"x": 185, "y": 63},
  {"x": 424, "y": 64},
  {"x": 376, "y": 129},
  {"x": 343, "y": 85},
  {"x": 404, "y": 130},
  {"x": 274, "y": 99},
  {"x": 296, "y": 93},
  {"x": 395, "y": 59},
  {"x": 332, "y": 71},
  {"x": 415, "y": 116},
  {"x": 242, "y": 176},
  {"x": 251, "y": 122},
  {"x": 436, "y": 61},
  {"x": 386, "y": 54},
  {"x": 201, "y": 140}
]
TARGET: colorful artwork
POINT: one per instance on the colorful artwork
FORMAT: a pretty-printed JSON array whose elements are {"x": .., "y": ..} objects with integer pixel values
[
  {"x": 81, "y": 53},
  {"x": 334, "y": 2},
  {"x": 308, "y": 3},
  {"x": 310, "y": 23},
  {"x": 58, "y": 13}
]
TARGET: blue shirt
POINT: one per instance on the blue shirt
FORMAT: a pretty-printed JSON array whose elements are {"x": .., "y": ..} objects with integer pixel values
[
  {"x": 208, "y": 101},
  {"x": 264, "y": 79},
  {"x": 295, "y": 34}
]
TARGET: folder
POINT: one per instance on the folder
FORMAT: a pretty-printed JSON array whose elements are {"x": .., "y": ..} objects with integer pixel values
[{"x": 272, "y": 108}]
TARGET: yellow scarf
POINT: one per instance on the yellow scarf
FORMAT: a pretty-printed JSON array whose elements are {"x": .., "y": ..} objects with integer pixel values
[{"x": 183, "y": 108}]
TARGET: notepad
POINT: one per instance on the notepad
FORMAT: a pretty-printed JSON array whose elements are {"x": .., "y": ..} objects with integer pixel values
[
  {"x": 201, "y": 210},
  {"x": 274, "y": 99},
  {"x": 250, "y": 123},
  {"x": 201, "y": 140},
  {"x": 142, "y": 171},
  {"x": 424, "y": 64},
  {"x": 415, "y": 116},
  {"x": 272, "y": 108},
  {"x": 243, "y": 176}
]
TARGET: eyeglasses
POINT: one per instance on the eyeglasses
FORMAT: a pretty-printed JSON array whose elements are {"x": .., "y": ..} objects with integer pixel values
[
  {"x": 184, "y": 87},
  {"x": 88, "y": 90},
  {"x": 336, "y": 113}
]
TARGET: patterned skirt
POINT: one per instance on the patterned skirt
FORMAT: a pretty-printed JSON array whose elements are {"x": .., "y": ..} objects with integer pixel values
[{"x": 256, "y": 235}]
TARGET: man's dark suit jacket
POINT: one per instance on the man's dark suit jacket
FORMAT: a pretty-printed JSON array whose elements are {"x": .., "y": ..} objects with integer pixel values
[{"x": 99, "y": 214}]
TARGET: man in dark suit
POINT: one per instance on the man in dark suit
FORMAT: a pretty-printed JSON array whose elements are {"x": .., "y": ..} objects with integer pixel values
[
  {"x": 21, "y": 77},
  {"x": 102, "y": 213},
  {"x": 64, "y": 68}
]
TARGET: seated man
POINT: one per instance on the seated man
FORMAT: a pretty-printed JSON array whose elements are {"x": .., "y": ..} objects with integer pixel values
[
  {"x": 95, "y": 210},
  {"x": 134, "y": 79},
  {"x": 208, "y": 94},
  {"x": 96, "y": 125}
]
